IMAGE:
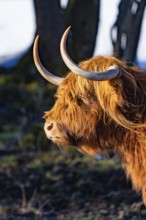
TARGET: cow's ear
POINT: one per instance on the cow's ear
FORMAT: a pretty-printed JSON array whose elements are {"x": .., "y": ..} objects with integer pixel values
[
  {"x": 109, "y": 95},
  {"x": 111, "y": 99},
  {"x": 114, "y": 96}
]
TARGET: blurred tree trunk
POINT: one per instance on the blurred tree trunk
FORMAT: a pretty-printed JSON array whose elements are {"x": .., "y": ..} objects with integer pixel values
[
  {"x": 83, "y": 16},
  {"x": 125, "y": 32},
  {"x": 51, "y": 19},
  {"x": 50, "y": 25}
]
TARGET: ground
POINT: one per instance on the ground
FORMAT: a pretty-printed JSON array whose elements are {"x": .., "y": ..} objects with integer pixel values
[
  {"x": 40, "y": 181},
  {"x": 64, "y": 185}
]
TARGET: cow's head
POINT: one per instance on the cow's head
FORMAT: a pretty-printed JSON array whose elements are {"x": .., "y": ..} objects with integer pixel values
[{"x": 90, "y": 100}]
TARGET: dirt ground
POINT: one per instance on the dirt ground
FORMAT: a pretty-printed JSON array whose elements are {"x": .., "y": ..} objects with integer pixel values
[{"x": 63, "y": 185}]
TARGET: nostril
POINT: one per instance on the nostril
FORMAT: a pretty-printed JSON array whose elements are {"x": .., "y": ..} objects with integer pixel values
[{"x": 50, "y": 126}]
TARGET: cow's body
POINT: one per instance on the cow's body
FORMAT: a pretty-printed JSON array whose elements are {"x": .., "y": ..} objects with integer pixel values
[{"x": 98, "y": 116}]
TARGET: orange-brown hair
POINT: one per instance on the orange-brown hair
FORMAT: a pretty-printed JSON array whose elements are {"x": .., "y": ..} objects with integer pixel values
[{"x": 103, "y": 115}]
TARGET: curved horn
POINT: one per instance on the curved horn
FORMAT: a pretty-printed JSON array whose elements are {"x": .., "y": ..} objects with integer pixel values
[
  {"x": 111, "y": 73},
  {"x": 42, "y": 70}
]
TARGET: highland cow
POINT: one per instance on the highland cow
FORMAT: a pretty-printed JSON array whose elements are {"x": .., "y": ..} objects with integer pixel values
[{"x": 100, "y": 106}]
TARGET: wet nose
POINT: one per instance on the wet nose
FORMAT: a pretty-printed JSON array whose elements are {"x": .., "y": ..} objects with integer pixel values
[
  {"x": 50, "y": 126},
  {"x": 51, "y": 129}
]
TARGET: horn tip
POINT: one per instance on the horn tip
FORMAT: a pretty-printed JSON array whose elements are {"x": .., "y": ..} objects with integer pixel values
[
  {"x": 37, "y": 37},
  {"x": 68, "y": 29},
  {"x": 36, "y": 40}
]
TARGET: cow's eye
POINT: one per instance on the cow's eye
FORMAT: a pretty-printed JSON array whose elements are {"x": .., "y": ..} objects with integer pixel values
[{"x": 79, "y": 101}]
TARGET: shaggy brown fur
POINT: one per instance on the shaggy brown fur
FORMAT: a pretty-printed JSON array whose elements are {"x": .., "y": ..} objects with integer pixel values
[{"x": 98, "y": 116}]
